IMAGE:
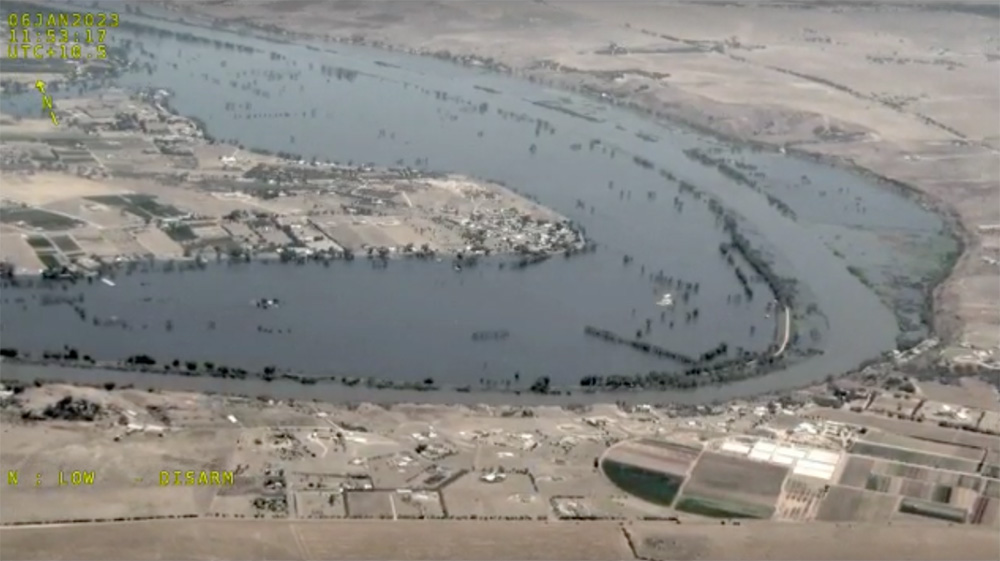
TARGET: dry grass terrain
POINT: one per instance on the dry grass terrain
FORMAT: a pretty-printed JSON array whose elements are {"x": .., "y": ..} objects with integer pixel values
[
  {"x": 910, "y": 90},
  {"x": 760, "y": 540},
  {"x": 211, "y": 539}
]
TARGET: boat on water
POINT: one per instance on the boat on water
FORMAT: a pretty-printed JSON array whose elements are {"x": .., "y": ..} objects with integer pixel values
[
  {"x": 108, "y": 282},
  {"x": 666, "y": 300}
]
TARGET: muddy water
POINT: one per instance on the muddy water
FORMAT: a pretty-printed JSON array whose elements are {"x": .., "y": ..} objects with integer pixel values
[{"x": 415, "y": 320}]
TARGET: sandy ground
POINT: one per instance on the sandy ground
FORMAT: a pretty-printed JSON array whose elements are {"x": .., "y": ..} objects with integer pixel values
[
  {"x": 919, "y": 85},
  {"x": 49, "y": 187},
  {"x": 213, "y": 539}
]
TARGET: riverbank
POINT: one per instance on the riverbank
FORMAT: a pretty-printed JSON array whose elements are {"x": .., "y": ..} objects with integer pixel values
[
  {"x": 647, "y": 229},
  {"x": 907, "y": 143}
]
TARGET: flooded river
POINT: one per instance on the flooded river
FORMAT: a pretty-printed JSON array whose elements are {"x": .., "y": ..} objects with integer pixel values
[{"x": 414, "y": 319}]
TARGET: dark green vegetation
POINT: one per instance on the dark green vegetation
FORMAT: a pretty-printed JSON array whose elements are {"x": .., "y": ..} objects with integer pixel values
[
  {"x": 704, "y": 506},
  {"x": 39, "y": 242},
  {"x": 37, "y": 218},
  {"x": 143, "y": 206},
  {"x": 180, "y": 233},
  {"x": 651, "y": 486},
  {"x": 914, "y": 457},
  {"x": 65, "y": 243},
  {"x": 932, "y": 510},
  {"x": 48, "y": 260}
]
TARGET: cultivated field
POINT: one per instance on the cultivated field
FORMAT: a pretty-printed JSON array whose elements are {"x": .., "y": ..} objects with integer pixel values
[
  {"x": 742, "y": 487},
  {"x": 652, "y": 470},
  {"x": 914, "y": 457},
  {"x": 855, "y": 472},
  {"x": 928, "y": 446},
  {"x": 654, "y": 455},
  {"x": 844, "y": 504},
  {"x": 800, "y": 498}
]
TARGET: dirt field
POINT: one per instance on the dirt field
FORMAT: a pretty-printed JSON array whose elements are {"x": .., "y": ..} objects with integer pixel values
[
  {"x": 856, "y": 471},
  {"x": 914, "y": 86},
  {"x": 211, "y": 539},
  {"x": 814, "y": 541},
  {"x": 800, "y": 498},
  {"x": 843, "y": 504}
]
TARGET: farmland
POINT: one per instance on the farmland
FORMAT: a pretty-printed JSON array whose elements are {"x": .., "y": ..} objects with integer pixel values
[
  {"x": 928, "y": 446},
  {"x": 725, "y": 486},
  {"x": 924, "y": 491},
  {"x": 914, "y": 457},
  {"x": 855, "y": 473},
  {"x": 652, "y": 470},
  {"x": 844, "y": 504},
  {"x": 800, "y": 498},
  {"x": 649, "y": 485}
]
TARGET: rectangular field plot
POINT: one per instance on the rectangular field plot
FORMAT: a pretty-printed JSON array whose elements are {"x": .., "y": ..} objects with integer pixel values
[
  {"x": 926, "y": 491},
  {"x": 143, "y": 206},
  {"x": 931, "y": 447},
  {"x": 39, "y": 243},
  {"x": 992, "y": 489},
  {"x": 933, "y": 510},
  {"x": 65, "y": 243},
  {"x": 844, "y": 504},
  {"x": 986, "y": 511},
  {"x": 740, "y": 481},
  {"x": 722, "y": 508},
  {"x": 914, "y": 457},
  {"x": 318, "y": 504},
  {"x": 936, "y": 476},
  {"x": 37, "y": 218},
  {"x": 881, "y": 484},
  {"x": 800, "y": 498},
  {"x": 660, "y": 456},
  {"x": 392, "y": 504},
  {"x": 856, "y": 471}
]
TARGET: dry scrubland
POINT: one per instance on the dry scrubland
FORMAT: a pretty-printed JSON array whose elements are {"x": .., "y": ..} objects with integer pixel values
[
  {"x": 907, "y": 90},
  {"x": 216, "y": 539}
]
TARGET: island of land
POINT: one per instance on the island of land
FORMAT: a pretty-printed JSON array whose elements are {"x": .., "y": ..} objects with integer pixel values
[{"x": 123, "y": 179}]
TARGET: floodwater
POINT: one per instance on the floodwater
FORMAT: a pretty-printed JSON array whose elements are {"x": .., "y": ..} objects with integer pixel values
[{"x": 415, "y": 319}]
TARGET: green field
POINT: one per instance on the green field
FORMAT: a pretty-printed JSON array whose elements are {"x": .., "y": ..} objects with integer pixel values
[
  {"x": 650, "y": 486},
  {"x": 704, "y": 506},
  {"x": 143, "y": 206},
  {"x": 933, "y": 510},
  {"x": 65, "y": 243},
  {"x": 39, "y": 242},
  {"x": 180, "y": 233},
  {"x": 38, "y": 218},
  {"x": 48, "y": 260}
]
